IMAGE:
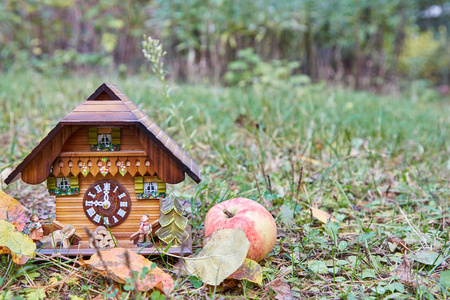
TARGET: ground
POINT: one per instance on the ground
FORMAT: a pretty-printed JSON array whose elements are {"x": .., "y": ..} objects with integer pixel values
[{"x": 358, "y": 183}]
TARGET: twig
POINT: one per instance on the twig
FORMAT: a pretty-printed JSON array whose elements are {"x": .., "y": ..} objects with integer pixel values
[
  {"x": 423, "y": 240},
  {"x": 264, "y": 175},
  {"x": 270, "y": 184},
  {"x": 387, "y": 191},
  {"x": 299, "y": 184},
  {"x": 257, "y": 185},
  {"x": 292, "y": 175},
  {"x": 443, "y": 217}
]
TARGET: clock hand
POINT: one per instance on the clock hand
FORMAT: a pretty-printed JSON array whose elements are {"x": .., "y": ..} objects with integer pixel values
[
  {"x": 106, "y": 204},
  {"x": 94, "y": 203}
]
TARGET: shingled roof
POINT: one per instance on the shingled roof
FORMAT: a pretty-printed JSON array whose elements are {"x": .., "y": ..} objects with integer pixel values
[{"x": 109, "y": 105}]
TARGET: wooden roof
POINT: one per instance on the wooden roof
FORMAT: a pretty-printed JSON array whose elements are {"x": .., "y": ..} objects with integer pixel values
[{"x": 108, "y": 105}]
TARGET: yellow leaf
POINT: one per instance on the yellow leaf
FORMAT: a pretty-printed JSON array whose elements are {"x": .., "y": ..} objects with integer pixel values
[
  {"x": 120, "y": 264},
  {"x": 36, "y": 294},
  {"x": 19, "y": 244},
  {"x": 250, "y": 270},
  {"x": 53, "y": 280},
  {"x": 223, "y": 253},
  {"x": 12, "y": 211},
  {"x": 322, "y": 216}
]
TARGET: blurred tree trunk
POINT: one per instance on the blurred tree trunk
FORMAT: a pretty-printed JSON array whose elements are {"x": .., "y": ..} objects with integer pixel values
[
  {"x": 399, "y": 36},
  {"x": 358, "y": 52},
  {"x": 308, "y": 40}
]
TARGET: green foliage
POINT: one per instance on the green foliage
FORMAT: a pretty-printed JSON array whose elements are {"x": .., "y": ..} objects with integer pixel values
[
  {"x": 249, "y": 69},
  {"x": 425, "y": 56},
  {"x": 53, "y": 36}
]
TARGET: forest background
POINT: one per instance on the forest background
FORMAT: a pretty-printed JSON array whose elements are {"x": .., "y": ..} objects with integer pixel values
[{"x": 377, "y": 45}]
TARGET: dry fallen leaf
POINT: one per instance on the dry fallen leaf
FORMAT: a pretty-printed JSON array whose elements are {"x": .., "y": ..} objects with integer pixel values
[
  {"x": 18, "y": 244},
  {"x": 399, "y": 242},
  {"x": 118, "y": 269},
  {"x": 12, "y": 211},
  {"x": 404, "y": 271},
  {"x": 250, "y": 270},
  {"x": 322, "y": 216},
  {"x": 282, "y": 289},
  {"x": 223, "y": 253}
]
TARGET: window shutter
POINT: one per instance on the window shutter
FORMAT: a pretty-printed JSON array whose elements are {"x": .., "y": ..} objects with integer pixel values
[
  {"x": 138, "y": 184},
  {"x": 93, "y": 136},
  {"x": 74, "y": 181},
  {"x": 51, "y": 182},
  {"x": 115, "y": 135},
  {"x": 161, "y": 186}
]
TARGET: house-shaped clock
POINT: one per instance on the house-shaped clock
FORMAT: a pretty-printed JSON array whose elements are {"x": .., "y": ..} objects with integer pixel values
[{"x": 106, "y": 163}]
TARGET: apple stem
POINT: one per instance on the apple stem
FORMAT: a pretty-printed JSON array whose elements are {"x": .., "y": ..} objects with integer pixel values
[{"x": 227, "y": 212}]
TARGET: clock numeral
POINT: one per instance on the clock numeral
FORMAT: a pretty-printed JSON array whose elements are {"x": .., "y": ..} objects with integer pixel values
[
  {"x": 88, "y": 203},
  {"x": 123, "y": 204},
  {"x": 115, "y": 189},
  {"x": 121, "y": 212},
  {"x": 115, "y": 219},
  {"x": 107, "y": 186},
  {"x": 98, "y": 188},
  {"x": 106, "y": 220},
  {"x": 122, "y": 195},
  {"x": 92, "y": 195},
  {"x": 97, "y": 218},
  {"x": 91, "y": 211}
]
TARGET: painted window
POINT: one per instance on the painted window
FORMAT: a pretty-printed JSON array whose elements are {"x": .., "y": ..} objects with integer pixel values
[
  {"x": 63, "y": 182},
  {"x": 150, "y": 187},
  {"x": 104, "y": 139}
]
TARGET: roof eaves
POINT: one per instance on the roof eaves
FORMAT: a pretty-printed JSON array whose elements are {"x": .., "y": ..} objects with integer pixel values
[
  {"x": 104, "y": 88},
  {"x": 13, "y": 176},
  {"x": 187, "y": 167}
]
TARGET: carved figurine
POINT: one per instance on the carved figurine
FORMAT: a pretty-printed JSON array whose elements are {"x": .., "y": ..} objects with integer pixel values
[
  {"x": 143, "y": 232},
  {"x": 63, "y": 236},
  {"x": 36, "y": 232}
]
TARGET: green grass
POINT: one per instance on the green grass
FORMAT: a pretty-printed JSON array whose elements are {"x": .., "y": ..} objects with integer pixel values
[{"x": 352, "y": 147}]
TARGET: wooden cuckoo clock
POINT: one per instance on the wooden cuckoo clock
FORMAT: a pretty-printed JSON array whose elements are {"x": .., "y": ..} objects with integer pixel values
[{"x": 106, "y": 164}]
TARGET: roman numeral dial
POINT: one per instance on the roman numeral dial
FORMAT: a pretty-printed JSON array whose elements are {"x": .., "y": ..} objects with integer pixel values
[{"x": 106, "y": 202}]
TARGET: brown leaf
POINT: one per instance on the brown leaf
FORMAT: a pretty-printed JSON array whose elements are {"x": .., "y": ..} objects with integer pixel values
[
  {"x": 404, "y": 271},
  {"x": 250, "y": 270},
  {"x": 225, "y": 286},
  {"x": 395, "y": 239},
  {"x": 282, "y": 289},
  {"x": 119, "y": 270},
  {"x": 12, "y": 211}
]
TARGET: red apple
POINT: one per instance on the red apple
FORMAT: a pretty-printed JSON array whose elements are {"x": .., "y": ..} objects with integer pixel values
[{"x": 256, "y": 221}]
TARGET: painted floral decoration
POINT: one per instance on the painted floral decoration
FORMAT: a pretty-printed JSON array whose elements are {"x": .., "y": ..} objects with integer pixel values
[{"x": 104, "y": 170}]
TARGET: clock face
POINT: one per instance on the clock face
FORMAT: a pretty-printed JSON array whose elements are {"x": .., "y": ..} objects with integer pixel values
[{"x": 107, "y": 199}]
